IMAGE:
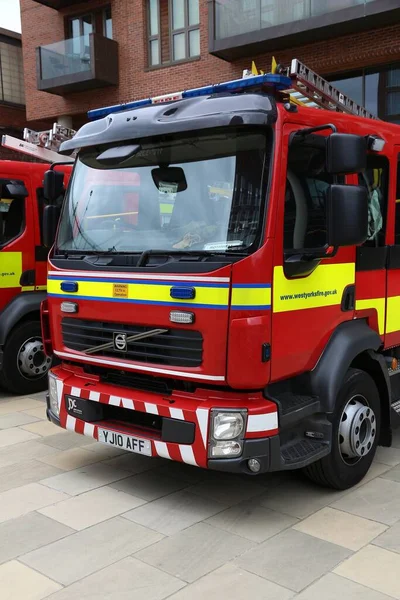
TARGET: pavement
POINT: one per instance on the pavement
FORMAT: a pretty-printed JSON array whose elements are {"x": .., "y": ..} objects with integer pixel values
[{"x": 80, "y": 521}]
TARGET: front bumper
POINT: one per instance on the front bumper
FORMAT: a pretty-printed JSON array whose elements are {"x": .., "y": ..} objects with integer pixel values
[{"x": 179, "y": 423}]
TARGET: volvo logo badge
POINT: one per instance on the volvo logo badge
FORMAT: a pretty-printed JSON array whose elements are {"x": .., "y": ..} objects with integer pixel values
[{"x": 120, "y": 342}]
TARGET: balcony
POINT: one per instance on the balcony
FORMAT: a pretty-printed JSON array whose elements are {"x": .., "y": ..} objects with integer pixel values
[
  {"x": 77, "y": 64},
  {"x": 57, "y": 4},
  {"x": 240, "y": 29}
]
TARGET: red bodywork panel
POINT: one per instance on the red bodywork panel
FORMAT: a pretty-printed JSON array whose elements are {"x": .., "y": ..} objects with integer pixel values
[
  {"x": 21, "y": 253},
  {"x": 245, "y": 346}
]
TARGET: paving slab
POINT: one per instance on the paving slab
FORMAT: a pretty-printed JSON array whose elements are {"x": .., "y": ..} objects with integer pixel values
[
  {"x": 293, "y": 559},
  {"x": 194, "y": 552},
  {"x": 375, "y": 568},
  {"x": 74, "y": 557},
  {"x": 127, "y": 579}
]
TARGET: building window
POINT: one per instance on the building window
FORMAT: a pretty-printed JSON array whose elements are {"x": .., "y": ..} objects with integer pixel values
[
  {"x": 81, "y": 26},
  {"x": 11, "y": 74},
  {"x": 107, "y": 23},
  {"x": 378, "y": 90},
  {"x": 84, "y": 25},
  {"x": 174, "y": 30}
]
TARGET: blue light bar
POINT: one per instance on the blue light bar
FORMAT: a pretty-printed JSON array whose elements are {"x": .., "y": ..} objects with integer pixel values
[{"x": 276, "y": 82}]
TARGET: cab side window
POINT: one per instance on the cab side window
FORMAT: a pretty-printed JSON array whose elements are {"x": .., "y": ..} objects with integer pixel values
[
  {"x": 375, "y": 179},
  {"x": 306, "y": 192},
  {"x": 12, "y": 210},
  {"x": 397, "y": 223}
]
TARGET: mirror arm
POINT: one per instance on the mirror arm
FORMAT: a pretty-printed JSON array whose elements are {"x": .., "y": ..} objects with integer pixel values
[
  {"x": 59, "y": 164},
  {"x": 310, "y": 130}
]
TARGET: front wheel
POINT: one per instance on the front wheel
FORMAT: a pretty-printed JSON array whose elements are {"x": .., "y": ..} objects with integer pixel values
[
  {"x": 25, "y": 364},
  {"x": 356, "y": 423}
]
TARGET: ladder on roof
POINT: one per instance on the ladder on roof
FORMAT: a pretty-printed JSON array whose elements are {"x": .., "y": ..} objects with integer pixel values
[
  {"x": 43, "y": 145},
  {"x": 312, "y": 90}
]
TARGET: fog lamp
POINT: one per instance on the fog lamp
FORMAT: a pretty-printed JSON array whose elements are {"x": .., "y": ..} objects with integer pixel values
[
  {"x": 226, "y": 449},
  {"x": 254, "y": 465},
  {"x": 53, "y": 399}
]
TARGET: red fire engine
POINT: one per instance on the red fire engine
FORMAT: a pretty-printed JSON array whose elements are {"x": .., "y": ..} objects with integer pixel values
[
  {"x": 239, "y": 309},
  {"x": 23, "y": 269}
]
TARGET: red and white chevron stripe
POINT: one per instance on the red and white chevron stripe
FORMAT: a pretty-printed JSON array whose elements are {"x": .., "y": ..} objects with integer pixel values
[{"x": 262, "y": 420}]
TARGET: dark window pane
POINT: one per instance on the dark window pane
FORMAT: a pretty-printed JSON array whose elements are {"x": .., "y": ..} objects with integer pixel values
[
  {"x": 306, "y": 191},
  {"x": 393, "y": 78},
  {"x": 371, "y": 92},
  {"x": 352, "y": 87},
  {"x": 397, "y": 228},
  {"x": 393, "y": 103},
  {"x": 375, "y": 179}
]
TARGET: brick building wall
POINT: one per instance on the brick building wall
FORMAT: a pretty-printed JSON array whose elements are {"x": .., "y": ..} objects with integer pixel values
[{"x": 42, "y": 25}]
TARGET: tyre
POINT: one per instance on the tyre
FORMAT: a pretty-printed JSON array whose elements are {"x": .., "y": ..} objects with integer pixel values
[
  {"x": 25, "y": 365},
  {"x": 355, "y": 433}
]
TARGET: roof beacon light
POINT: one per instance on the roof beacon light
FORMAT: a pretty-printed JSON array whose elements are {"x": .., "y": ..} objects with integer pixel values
[
  {"x": 298, "y": 82},
  {"x": 277, "y": 82}
]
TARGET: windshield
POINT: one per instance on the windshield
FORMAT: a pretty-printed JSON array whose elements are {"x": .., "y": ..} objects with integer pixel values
[{"x": 200, "y": 193}]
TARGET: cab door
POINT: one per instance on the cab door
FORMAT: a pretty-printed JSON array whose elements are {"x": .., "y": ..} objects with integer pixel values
[
  {"x": 16, "y": 236},
  {"x": 392, "y": 331},
  {"x": 309, "y": 300}
]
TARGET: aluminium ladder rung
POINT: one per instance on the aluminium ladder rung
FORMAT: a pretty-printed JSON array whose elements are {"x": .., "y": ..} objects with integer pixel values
[{"x": 319, "y": 91}]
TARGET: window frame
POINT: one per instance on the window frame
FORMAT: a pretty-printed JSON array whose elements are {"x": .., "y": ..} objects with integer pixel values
[
  {"x": 186, "y": 30},
  {"x": 155, "y": 37}
]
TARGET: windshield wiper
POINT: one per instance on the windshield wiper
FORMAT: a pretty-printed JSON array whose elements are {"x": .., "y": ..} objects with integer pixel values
[{"x": 143, "y": 258}]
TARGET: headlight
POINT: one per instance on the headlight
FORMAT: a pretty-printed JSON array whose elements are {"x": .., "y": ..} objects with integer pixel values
[
  {"x": 227, "y": 433},
  {"x": 227, "y": 425},
  {"x": 53, "y": 395}
]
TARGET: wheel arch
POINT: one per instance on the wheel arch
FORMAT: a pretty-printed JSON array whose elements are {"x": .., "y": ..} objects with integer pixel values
[
  {"x": 353, "y": 344},
  {"x": 19, "y": 310}
]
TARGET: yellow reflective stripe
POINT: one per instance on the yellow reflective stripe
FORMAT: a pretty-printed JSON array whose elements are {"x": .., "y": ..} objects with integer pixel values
[
  {"x": 28, "y": 288},
  {"x": 379, "y": 305},
  {"x": 40, "y": 288},
  {"x": 10, "y": 269},
  {"x": 251, "y": 297},
  {"x": 139, "y": 292},
  {"x": 324, "y": 287},
  {"x": 393, "y": 314}
]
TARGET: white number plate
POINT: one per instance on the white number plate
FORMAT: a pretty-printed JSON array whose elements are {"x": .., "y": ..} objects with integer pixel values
[{"x": 125, "y": 442}]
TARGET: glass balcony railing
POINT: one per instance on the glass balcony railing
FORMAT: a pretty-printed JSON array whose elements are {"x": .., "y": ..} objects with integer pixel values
[
  {"x": 77, "y": 64},
  {"x": 65, "y": 58},
  {"x": 235, "y": 17}
]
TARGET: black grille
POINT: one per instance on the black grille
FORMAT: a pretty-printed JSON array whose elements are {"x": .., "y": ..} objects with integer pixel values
[{"x": 179, "y": 347}]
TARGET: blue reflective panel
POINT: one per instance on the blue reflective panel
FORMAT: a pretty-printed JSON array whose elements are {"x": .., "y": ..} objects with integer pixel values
[
  {"x": 182, "y": 293},
  {"x": 69, "y": 286}
]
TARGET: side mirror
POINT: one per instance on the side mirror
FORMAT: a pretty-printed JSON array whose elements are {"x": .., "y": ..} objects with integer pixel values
[
  {"x": 345, "y": 153},
  {"x": 347, "y": 215},
  {"x": 53, "y": 185},
  {"x": 51, "y": 215}
]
